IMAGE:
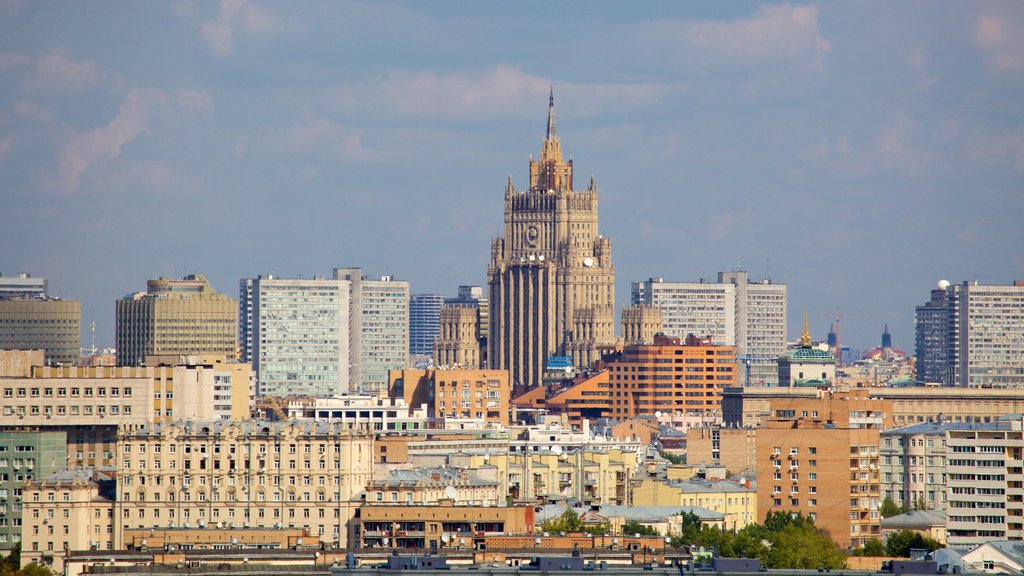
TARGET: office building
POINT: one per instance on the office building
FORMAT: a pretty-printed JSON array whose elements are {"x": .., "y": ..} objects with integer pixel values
[
  {"x": 550, "y": 278},
  {"x": 176, "y": 317},
  {"x": 378, "y": 329},
  {"x": 972, "y": 335},
  {"x": 295, "y": 333},
  {"x": 424, "y": 323},
  {"x": 49, "y": 324},
  {"x": 733, "y": 311},
  {"x": 22, "y": 286}
]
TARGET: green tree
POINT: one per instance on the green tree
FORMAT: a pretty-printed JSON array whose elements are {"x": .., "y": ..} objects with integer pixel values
[
  {"x": 802, "y": 546},
  {"x": 873, "y": 547},
  {"x": 568, "y": 521},
  {"x": 673, "y": 458},
  {"x": 600, "y": 529},
  {"x": 889, "y": 508},
  {"x": 634, "y": 527},
  {"x": 900, "y": 543}
]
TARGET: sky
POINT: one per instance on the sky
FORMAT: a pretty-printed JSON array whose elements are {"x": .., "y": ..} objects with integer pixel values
[{"x": 856, "y": 151}]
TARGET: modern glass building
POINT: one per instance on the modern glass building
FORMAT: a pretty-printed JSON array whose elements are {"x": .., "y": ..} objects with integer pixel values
[{"x": 424, "y": 316}]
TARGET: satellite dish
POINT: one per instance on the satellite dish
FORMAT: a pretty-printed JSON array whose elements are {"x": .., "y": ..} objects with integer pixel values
[
  {"x": 657, "y": 414},
  {"x": 450, "y": 492},
  {"x": 588, "y": 261},
  {"x": 557, "y": 450},
  {"x": 445, "y": 537}
]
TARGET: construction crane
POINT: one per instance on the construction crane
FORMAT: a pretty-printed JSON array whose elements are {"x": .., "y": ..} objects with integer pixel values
[{"x": 838, "y": 316}]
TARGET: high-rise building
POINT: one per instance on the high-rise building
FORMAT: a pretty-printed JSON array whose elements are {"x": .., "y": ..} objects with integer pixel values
[
  {"x": 378, "y": 329},
  {"x": 972, "y": 335},
  {"x": 732, "y": 312},
  {"x": 457, "y": 343},
  {"x": 550, "y": 277},
  {"x": 295, "y": 333},
  {"x": 40, "y": 323},
  {"x": 176, "y": 317},
  {"x": 22, "y": 286},
  {"x": 24, "y": 454},
  {"x": 424, "y": 323}
]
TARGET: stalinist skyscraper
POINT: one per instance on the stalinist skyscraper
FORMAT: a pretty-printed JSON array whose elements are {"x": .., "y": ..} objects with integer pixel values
[{"x": 552, "y": 285}]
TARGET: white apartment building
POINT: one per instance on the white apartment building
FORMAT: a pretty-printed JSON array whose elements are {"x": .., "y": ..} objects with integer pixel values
[
  {"x": 295, "y": 332},
  {"x": 732, "y": 311},
  {"x": 378, "y": 329}
]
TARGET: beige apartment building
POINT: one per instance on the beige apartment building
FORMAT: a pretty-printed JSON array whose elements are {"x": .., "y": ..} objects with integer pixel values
[
  {"x": 590, "y": 475},
  {"x": 67, "y": 510},
  {"x": 303, "y": 474},
  {"x": 828, "y": 473},
  {"x": 178, "y": 317},
  {"x": 48, "y": 324},
  {"x": 737, "y": 502},
  {"x": 428, "y": 486},
  {"x": 463, "y": 393}
]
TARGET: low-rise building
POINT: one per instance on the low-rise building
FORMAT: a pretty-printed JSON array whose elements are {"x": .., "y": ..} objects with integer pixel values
[
  {"x": 361, "y": 412},
  {"x": 65, "y": 511},
  {"x": 437, "y": 527},
  {"x": 431, "y": 485},
  {"x": 456, "y": 392},
  {"x": 735, "y": 501}
]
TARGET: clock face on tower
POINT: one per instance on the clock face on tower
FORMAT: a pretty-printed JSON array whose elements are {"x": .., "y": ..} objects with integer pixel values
[{"x": 532, "y": 235}]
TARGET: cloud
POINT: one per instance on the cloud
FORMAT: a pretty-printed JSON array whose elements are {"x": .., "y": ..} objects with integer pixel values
[
  {"x": 56, "y": 73},
  {"x": 9, "y": 59},
  {"x": 219, "y": 32},
  {"x": 36, "y": 111},
  {"x": 194, "y": 100},
  {"x": 773, "y": 34},
  {"x": 502, "y": 92},
  {"x": 86, "y": 148},
  {"x": 315, "y": 135},
  {"x": 1002, "y": 40},
  {"x": 6, "y": 144}
]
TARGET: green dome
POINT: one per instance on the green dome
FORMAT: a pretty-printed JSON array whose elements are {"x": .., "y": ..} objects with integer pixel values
[{"x": 807, "y": 353}]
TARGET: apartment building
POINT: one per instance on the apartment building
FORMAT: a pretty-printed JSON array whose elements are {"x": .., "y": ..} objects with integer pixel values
[
  {"x": 439, "y": 527},
  {"x": 823, "y": 471},
  {"x": 361, "y": 412},
  {"x": 913, "y": 465},
  {"x": 737, "y": 502},
  {"x": 24, "y": 456},
  {"x": 303, "y": 474},
  {"x": 454, "y": 393},
  {"x": 428, "y": 486}
]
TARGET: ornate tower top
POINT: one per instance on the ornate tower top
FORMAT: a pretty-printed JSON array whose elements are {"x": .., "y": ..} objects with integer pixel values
[
  {"x": 805, "y": 339},
  {"x": 550, "y": 172}
]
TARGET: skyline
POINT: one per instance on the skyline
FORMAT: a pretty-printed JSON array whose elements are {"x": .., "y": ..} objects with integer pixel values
[{"x": 857, "y": 153}]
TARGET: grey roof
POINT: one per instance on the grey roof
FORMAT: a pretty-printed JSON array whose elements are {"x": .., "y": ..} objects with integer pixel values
[
  {"x": 635, "y": 513},
  {"x": 1013, "y": 549},
  {"x": 941, "y": 428},
  {"x": 915, "y": 519},
  {"x": 694, "y": 486},
  {"x": 427, "y": 477}
]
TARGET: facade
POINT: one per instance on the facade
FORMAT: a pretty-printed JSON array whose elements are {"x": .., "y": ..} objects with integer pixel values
[
  {"x": 971, "y": 335},
  {"x": 361, "y": 412},
  {"x": 670, "y": 376},
  {"x": 176, "y": 317},
  {"x": 65, "y": 511},
  {"x": 456, "y": 393},
  {"x": 550, "y": 276},
  {"x": 913, "y": 462},
  {"x": 295, "y": 334},
  {"x": 48, "y": 324},
  {"x": 734, "y": 448},
  {"x": 438, "y": 527},
  {"x": 424, "y": 323},
  {"x": 378, "y": 329},
  {"x": 984, "y": 483},
  {"x": 458, "y": 343},
  {"x": 825, "y": 472},
  {"x": 475, "y": 297},
  {"x": 732, "y": 311},
  {"x": 24, "y": 455},
  {"x": 258, "y": 474}
]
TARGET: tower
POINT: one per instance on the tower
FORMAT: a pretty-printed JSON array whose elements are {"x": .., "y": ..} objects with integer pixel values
[{"x": 550, "y": 278}]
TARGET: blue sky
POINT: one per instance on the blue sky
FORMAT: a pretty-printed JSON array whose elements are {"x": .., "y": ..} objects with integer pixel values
[{"x": 857, "y": 152}]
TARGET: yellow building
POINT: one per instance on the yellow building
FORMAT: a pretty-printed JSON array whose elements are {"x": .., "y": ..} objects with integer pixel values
[
  {"x": 431, "y": 485},
  {"x": 179, "y": 317},
  {"x": 304, "y": 474},
  {"x": 738, "y": 502},
  {"x": 439, "y": 526},
  {"x": 68, "y": 510},
  {"x": 589, "y": 475}
]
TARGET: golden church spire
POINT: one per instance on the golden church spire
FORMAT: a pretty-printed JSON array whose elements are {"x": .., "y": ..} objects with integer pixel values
[{"x": 805, "y": 340}]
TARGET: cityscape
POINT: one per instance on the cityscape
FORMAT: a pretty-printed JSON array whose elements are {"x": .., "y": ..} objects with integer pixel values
[{"x": 776, "y": 324}]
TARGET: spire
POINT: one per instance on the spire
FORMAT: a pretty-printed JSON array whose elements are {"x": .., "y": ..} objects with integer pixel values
[
  {"x": 805, "y": 339},
  {"x": 551, "y": 113}
]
